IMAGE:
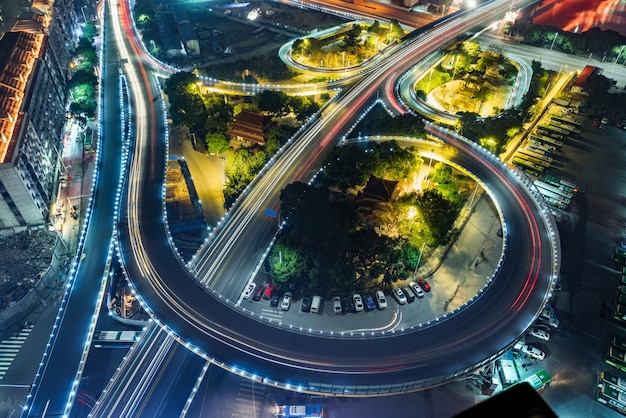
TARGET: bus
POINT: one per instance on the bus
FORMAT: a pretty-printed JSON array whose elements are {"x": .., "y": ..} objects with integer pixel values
[
  {"x": 554, "y": 199},
  {"x": 115, "y": 339},
  {"x": 613, "y": 358},
  {"x": 567, "y": 120},
  {"x": 613, "y": 379},
  {"x": 542, "y": 185},
  {"x": 546, "y": 140},
  {"x": 570, "y": 128},
  {"x": 537, "y": 145},
  {"x": 537, "y": 154},
  {"x": 613, "y": 392},
  {"x": 565, "y": 185},
  {"x": 531, "y": 158},
  {"x": 552, "y": 130},
  {"x": 617, "y": 354},
  {"x": 301, "y": 411},
  {"x": 528, "y": 166}
]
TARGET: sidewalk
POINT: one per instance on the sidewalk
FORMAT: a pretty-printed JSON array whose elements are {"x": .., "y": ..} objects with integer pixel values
[
  {"x": 460, "y": 271},
  {"x": 72, "y": 200}
]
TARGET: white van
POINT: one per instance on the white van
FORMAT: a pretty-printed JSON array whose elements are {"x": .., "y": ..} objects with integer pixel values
[{"x": 315, "y": 305}]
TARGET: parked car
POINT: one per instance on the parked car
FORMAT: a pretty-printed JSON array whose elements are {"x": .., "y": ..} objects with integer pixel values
[
  {"x": 286, "y": 303},
  {"x": 337, "y": 305},
  {"x": 358, "y": 302},
  {"x": 399, "y": 295},
  {"x": 249, "y": 290},
  {"x": 347, "y": 304},
  {"x": 540, "y": 333},
  {"x": 258, "y": 294},
  {"x": 274, "y": 300},
  {"x": 424, "y": 285},
  {"x": 369, "y": 302},
  {"x": 419, "y": 292},
  {"x": 533, "y": 352},
  {"x": 306, "y": 304},
  {"x": 380, "y": 298},
  {"x": 268, "y": 292},
  {"x": 408, "y": 293}
]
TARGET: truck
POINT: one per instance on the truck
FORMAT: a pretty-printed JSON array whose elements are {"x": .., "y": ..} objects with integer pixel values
[{"x": 300, "y": 411}]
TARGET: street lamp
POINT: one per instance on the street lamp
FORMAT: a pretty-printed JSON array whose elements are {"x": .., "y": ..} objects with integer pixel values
[
  {"x": 432, "y": 151},
  {"x": 429, "y": 78}
]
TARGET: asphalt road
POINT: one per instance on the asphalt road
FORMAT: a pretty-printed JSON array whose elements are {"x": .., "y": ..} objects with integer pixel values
[{"x": 463, "y": 341}]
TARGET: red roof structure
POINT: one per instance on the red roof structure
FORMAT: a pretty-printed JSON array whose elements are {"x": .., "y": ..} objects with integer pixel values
[
  {"x": 250, "y": 127},
  {"x": 587, "y": 72}
]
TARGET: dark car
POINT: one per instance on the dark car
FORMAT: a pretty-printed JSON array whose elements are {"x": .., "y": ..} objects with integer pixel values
[
  {"x": 268, "y": 292},
  {"x": 306, "y": 304},
  {"x": 258, "y": 294},
  {"x": 275, "y": 299},
  {"x": 410, "y": 296},
  {"x": 347, "y": 304},
  {"x": 424, "y": 285},
  {"x": 369, "y": 302}
]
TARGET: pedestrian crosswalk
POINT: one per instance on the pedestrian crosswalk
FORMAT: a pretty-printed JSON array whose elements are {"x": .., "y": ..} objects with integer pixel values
[
  {"x": 273, "y": 314},
  {"x": 10, "y": 347},
  {"x": 250, "y": 400}
]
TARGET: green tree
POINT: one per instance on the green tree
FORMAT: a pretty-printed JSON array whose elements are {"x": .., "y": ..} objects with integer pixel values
[
  {"x": 442, "y": 173},
  {"x": 287, "y": 263},
  {"x": 274, "y": 102},
  {"x": 348, "y": 166},
  {"x": 438, "y": 213},
  {"x": 216, "y": 142},
  {"x": 89, "y": 32},
  {"x": 396, "y": 32}
]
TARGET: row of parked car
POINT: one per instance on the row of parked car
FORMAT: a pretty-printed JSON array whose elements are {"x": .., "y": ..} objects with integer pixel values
[
  {"x": 546, "y": 320},
  {"x": 341, "y": 304}
]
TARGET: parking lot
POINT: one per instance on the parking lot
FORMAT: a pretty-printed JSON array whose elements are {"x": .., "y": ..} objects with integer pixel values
[{"x": 453, "y": 280}]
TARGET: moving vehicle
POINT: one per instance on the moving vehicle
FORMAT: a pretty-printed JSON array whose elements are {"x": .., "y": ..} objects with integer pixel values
[
  {"x": 337, "y": 305},
  {"x": 533, "y": 352},
  {"x": 358, "y": 302},
  {"x": 306, "y": 304},
  {"x": 419, "y": 292},
  {"x": 268, "y": 292},
  {"x": 249, "y": 290},
  {"x": 315, "y": 305},
  {"x": 286, "y": 303},
  {"x": 399, "y": 295},
  {"x": 307, "y": 411},
  {"x": 258, "y": 294},
  {"x": 380, "y": 299},
  {"x": 540, "y": 333},
  {"x": 369, "y": 302}
]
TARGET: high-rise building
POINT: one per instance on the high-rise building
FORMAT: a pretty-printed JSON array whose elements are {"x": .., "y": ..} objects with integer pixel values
[{"x": 34, "y": 58}]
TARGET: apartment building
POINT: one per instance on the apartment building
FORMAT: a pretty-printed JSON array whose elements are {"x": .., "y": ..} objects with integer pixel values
[{"x": 34, "y": 57}]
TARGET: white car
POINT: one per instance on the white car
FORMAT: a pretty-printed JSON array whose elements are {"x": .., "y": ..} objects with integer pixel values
[
  {"x": 337, "y": 305},
  {"x": 249, "y": 290},
  {"x": 399, "y": 295},
  {"x": 533, "y": 352},
  {"x": 419, "y": 292},
  {"x": 540, "y": 333},
  {"x": 380, "y": 299},
  {"x": 358, "y": 302},
  {"x": 286, "y": 303}
]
